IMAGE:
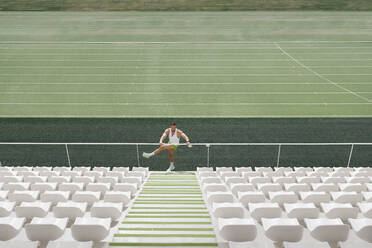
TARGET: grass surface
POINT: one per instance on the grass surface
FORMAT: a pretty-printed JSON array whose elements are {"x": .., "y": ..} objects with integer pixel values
[
  {"x": 184, "y": 5},
  {"x": 179, "y": 77}
]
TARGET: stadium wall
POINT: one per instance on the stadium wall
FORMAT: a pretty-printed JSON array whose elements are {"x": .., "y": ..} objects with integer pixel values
[
  {"x": 200, "y": 130},
  {"x": 183, "y": 5}
]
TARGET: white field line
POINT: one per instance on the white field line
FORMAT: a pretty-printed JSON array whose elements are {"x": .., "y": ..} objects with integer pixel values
[
  {"x": 181, "y": 104},
  {"x": 186, "y": 74},
  {"x": 179, "y": 83},
  {"x": 184, "y": 42},
  {"x": 322, "y": 75},
  {"x": 183, "y": 48},
  {"x": 176, "y": 93},
  {"x": 173, "y": 54},
  {"x": 174, "y": 60},
  {"x": 186, "y": 116},
  {"x": 182, "y": 67}
]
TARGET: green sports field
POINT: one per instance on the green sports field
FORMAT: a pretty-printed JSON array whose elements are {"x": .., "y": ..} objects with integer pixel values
[{"x": 185, "y": 64}]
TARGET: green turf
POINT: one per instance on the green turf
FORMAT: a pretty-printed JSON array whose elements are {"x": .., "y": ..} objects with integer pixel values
[
  {"x": 117, "y": 5},
  {"x": 187, "y": 79}
]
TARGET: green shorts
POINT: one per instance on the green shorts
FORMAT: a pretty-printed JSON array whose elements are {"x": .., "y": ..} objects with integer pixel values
[{"x": 174, "y": 146}]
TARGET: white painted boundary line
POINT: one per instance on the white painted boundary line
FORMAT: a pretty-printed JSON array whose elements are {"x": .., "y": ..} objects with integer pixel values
[
  {"x": 185, "y": 116},
  {"x": 184, "y": 104},
  {"x": 182, "y": 83},
  {"x": 181, "y": 42},
  {"x": 180, "y": 67},
  {"x": 179, "y": 83},
  {"x": 184, "y": 74},
  {"x": 321, "y": 76},
  {"x": 184, "y": 48},
  {"x": 174, "y": 60},
  {"x": 178, "y": 93},
  {"x": 172, "y": 54}
]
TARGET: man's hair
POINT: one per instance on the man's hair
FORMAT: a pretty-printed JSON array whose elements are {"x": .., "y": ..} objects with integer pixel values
[{"x": 173, "y": 124}]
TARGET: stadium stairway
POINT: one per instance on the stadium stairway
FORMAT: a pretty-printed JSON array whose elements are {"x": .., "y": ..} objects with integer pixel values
[{"x": 169, "y": 211}]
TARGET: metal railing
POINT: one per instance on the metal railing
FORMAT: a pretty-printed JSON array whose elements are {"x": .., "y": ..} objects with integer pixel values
[{"x": 207, "y": 145}]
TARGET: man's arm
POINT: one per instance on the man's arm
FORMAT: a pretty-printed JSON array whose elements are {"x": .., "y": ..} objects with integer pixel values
[
  {"x": 165, "y": 134},
  {"x": 185, "y": 137}
]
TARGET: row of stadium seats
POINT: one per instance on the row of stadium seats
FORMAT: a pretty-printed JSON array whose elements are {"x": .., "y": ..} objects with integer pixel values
[
  {"x": 328, "y": 207},
  {"x": 44, "y": 203}
]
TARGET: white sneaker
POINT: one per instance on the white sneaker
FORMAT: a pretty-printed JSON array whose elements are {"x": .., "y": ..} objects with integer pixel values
[
  {"x": 146, "y": 155},
  {"x": 171, "y": 167}
]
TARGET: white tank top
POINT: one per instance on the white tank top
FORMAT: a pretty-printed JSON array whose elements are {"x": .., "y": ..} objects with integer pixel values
[{"x": 173, "y": 139}]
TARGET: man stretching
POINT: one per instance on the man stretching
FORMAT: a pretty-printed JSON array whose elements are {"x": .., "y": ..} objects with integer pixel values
[{"x": 174, "y": 136}]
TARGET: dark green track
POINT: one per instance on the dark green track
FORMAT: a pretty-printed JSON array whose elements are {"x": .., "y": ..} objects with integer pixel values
[{"x": 199, "y": 130}]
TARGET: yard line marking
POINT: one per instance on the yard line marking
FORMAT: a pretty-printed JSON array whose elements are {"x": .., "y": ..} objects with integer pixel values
[
  {"x": 162, "y": 74},
  {"x": 139, "y": 74},
  {"x": 174, "y": 93},
  {"x": 186, "y": 116},
  {"x": 183, "y": 48},
  {"x": 181, "y": 104},
  {"x": 173, "y": 54},
  {"x": 321, "y": 76},
  {"x": 177, "y": 83},
  {"x": 172, "y": 60},
  {"x": 186, "y": 74},
  {"x": 181, "y": 42},
  {"x": 182, "y": 67}
]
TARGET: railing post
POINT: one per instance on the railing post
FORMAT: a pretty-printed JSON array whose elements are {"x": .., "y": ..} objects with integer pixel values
[
  {"x": 68, "y": 155},
  {"x": 138, "y": 160},
  {"x": 208, "y": 147},
  {"x": 351, "y": 152},
  {"x": 278, "y": 159}
]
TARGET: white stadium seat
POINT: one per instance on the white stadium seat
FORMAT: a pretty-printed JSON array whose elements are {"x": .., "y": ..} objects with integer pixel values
[
  {"x": 343, "y": 211},
  {"x": 363, "y": 228},
  {"x": 106, "y": 210},
  {"x": 11, "y": 187},
  {"x": 55, "y": 197},
  {"x": 6, "y": 208},
  {"x": 10, "y": 227},
  {"x": 90, "y": 229},
  {"x": 281, "y": 197},
  {"x": 237, "y": 230},
  {"x": 251, "y": 197},
  {"x": 264, "y": 210},
  {"x": 46, "y": 229},
  {"x": 70, "y": 210},
  {"x": 297, "y": 187},
  {"x": 219, "y": 197},
  {"x": 282, "y": 229},
  {"x": 228, "y": 210},
  {"x": 346, "y": 197},
  {"x": 42, "y": 187},
  {"x": 23, "y": 196},
  {"x": 30, "y": 210},
  {"x": 365, "y": 209},
  {"x": 117, "y": 197},
  {"x": 327, "y": 230},
  {"x": 301, "y": 210},
  {"x": 241, "y": 187},
  {"x": 125, "y": 187},
  {"x": 214, "y": 187},
  {"x": 315, "y": 197},
  {"x": 89, "y": 197}
]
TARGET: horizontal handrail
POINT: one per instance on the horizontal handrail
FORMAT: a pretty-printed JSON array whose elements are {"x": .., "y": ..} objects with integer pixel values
[{"x": 194, "y": 144}]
